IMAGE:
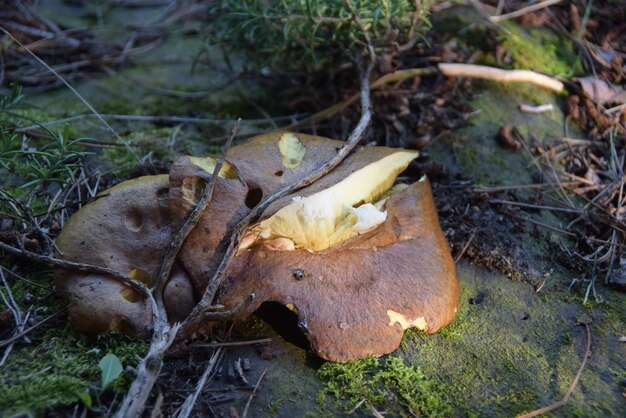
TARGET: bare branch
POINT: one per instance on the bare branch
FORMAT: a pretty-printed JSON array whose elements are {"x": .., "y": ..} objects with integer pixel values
[
  {"x": 191, "y": 220},
  {"x": 163, "y": 334},
  {"x": 187, "y": 407},
  {"x": 572, "y": 386},
  {"x": 355, "y": 137},
  {"x": 500, "y": 75},
  {"x": 256, "y": 387},
  {"x": 523, "y": 11},
  {"x": 71, "y": 265}
]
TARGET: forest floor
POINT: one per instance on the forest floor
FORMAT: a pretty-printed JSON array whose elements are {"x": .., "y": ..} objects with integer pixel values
[{"x": 531, "y": 204}]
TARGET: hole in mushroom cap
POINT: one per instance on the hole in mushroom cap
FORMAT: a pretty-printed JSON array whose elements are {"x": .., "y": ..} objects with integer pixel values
[
  {"x": 141, "y": 275},
  {"x": 191, "y": 189},
  {"x": 284, "y": 321},
  {"x": 122, "y": 324},
  {"x": 133, "y": 220},
  {"x": 279, "y": 173},
  {"x": 253, "y": 197},
  {"x": 130, "y": 295}
]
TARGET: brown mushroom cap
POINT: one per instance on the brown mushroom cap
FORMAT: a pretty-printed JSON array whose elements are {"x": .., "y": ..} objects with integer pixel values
[
  {"x": 126, "y": 228},
  {"x": 353, "y": 298}
]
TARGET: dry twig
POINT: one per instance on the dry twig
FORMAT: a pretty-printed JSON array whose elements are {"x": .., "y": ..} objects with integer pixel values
[
  {"x": 199, "y": 314},
  {"x": 256, "y": 387},
  {"x": 209, "y": 371},
  {"x": 500, "y": 75},
  {"x": 572, "y": 386},
  {"x": 163, "y": 334},
  {"x": 523, "y": 11}
]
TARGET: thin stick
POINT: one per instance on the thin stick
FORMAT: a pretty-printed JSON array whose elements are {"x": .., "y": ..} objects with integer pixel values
[
  {"x": 76, "y": 93},
  {"x": 564, "y": 232},
  {"x": 27, "y": 330},
  {"x": 531, "y": 206},
  {"x": 465, "y": 247},
  {"x": 232, "y": 343},
  {"x": 163, "y": 335},
  {"x": 198, "y": 314},
  {"x": 496, "y": 189},
  {"x": 191, "y": 220},
  {"x": 394, "y": 77},
  {"x": 500, "y": 75},
  {"x": 71, "y": 265},
  {"x": 12, "y": 305},
  {"x": 187, "y": 406},
  {"x": 523, "y": 11},
  {"x": 157, "y": 119},
  {"x": 572, "y": 386},
  {"x": 256, "y": 387}
]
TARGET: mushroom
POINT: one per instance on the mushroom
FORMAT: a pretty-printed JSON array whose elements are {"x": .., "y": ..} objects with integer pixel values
[
  {"x": 358, "y": 259},
  {"x": 125, "y": 228}
]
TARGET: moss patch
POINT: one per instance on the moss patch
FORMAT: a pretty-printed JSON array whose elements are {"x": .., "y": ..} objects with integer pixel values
[
  {"x": 387, "y": 384},
  {"x": 511, "y": 350},
  {"x": 540, "y": 50},
  {"x": 62, "y": 370}
]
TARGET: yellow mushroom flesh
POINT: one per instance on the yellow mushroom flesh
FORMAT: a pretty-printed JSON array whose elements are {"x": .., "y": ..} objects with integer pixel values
[{"x": 351, "y": 207}]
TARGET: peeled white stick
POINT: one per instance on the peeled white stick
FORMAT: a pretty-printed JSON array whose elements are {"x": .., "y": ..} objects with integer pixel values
[
  {"x": 498, "y": 74},
  {"x": 536, "y": 109}
]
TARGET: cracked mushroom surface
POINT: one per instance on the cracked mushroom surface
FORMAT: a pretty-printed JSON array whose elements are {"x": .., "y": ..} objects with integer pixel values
[{"x": 355, "y": 257}]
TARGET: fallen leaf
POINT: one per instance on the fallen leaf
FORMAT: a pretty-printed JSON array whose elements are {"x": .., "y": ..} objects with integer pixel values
[
  {"x": 111, "y": 368},
  {"x": 602, "y": 92}
]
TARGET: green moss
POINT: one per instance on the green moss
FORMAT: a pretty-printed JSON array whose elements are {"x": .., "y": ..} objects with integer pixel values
[
  {"x": 37, "y": 290},
  {"x": 387, "y": 383},
  {"x": 61, "y": 369},
  {"x": 540, "y": 50},
  {"x": 515, "y": 351}
]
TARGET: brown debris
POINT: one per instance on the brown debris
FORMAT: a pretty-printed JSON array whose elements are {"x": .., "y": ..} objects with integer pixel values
[{"x": 507, "y": 137}]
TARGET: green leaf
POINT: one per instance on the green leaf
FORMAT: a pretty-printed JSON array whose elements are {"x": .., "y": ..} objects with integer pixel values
[
  {"x": 111, "y": 368},
  {"x": 86, "y": 398}
]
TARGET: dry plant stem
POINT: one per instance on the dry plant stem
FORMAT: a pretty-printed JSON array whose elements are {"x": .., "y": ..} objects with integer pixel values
[
  {"x": 465, "y": 247},
  {"x": 150, "y": 118},
  {"x": 163, "y": 335},
  {"x": 524, "y": 10},
  {"x": 191, "y": 220},
  {"x": 497, "y": 189},
  {"x": 572, "y": 386},
  {"x": 73, "y": 90},
  {"x": 27, "y": 330},
  {"x": 71, "y": 265},
  {"x": 500, "y": 75},
  {"x": 148, "y": 370},
  {"x": 12, "y": 305},
  {"x": 187, "y": 407},
  {"x": 198, "y": 314},
  {"x": 256, "y": 387},
  {"x": 232, "y": 343},
  {"x": 394, "y": 77},
  {"x": 27, "y": 213}
]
